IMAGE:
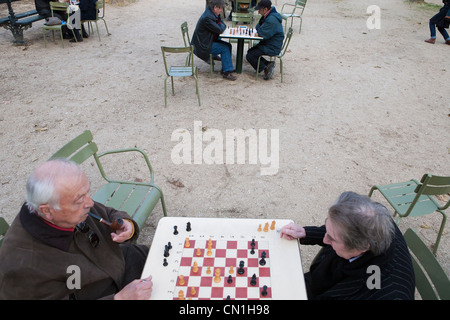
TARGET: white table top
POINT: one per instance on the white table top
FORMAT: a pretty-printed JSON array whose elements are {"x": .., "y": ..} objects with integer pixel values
[
  {"x": 282, "y": 273},
  {"x": 241, "y": 33}
]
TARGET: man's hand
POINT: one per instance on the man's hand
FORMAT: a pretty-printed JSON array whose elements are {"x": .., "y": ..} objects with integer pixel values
[
  {"x": 124, "y": 233},
  {"x": 140, "y": 289},
  {"x": 292, "y": 231}
]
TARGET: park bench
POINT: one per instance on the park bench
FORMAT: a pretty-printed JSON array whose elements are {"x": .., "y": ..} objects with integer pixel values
[{"x": 17, "y": 22}]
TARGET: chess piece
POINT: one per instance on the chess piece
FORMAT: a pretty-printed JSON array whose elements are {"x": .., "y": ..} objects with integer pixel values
[
  {"x": 252, "y": 244},
  {"x": 253, "y": 280},
  {"x": 259, "y": 228},
  {"x": 231, "y": 270},
  {"x": 187, "y": 243},
  {"x": 264, "y": 291},
  {"x": 208, "y": 270},
  {"x": 217, "y": 275},
  {"x": 199, "y": 252},
  {"x": 262, "y": 262},
  {"x": 209, "y": 252},
  {"x": 241, "y": 269},
  {"x": 193, "y": 291},
  {"x": 180, "y": 295},
  {"x": 188, "y": 226},
  {"x": 266, "y": 227},
  {"x": 166, "y": 251},
  {"x": 195, "y": 267},
  {"x": 230, "y": 279},
  {"x": 175, "y": 231},
  {"x": 272, "y": 226},
  {"x": 165, "y": 262},
  {"x": 181, "y": 280}
]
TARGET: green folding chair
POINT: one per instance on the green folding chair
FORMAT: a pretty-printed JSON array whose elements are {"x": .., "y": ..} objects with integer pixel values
[
  {"x": 432, "y": 282},
  {"x": 187, "y": 43},
  {"x": 188, "y": 70},
  {"x": 413, "y": 198},
  {"x": 56, "y": 6},
  {"x": 287, "y": 40},
  {"x": 100, "y": 15},
  {"x": 136, "y": 198},
  {"x": 293, "y": 10},
  {"x": 4, "y": 226}
]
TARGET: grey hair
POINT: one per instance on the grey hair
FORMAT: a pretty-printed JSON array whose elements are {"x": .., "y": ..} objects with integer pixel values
[
  {"x": 216, "y": 3},
  {"x": 363, "y": 223},
  {"x": 41, "y": 184}
]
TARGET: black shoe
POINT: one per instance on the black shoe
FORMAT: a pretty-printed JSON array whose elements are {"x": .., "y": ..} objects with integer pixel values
[
  {"x": 83, "y": 32},
  {"x": 78, "y": 37},
  {"x": 229, "y": 76},
  {"x": 268, "y": 71}
]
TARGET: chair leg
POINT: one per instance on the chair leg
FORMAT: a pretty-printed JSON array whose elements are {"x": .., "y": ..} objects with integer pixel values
[
  {"x": 98, "y": 33},
  {"x": 257, "y": 67},
  {"x": 441, "y": 230},
  {"x": 173, "y": 88},
  {"x": 62, "y": 38},
  {"x": 106, "y": 27},
  {"x": 281, "y": 69},
  {"x": 165, "y": 92}
]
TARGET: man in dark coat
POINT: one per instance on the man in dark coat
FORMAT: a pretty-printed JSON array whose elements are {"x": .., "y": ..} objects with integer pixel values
[
  {"x": 270, "y": 28},
  {"x": 206, "y": 38},
  {"x": 55, "y": 250},
  {"x": 439, "y": 21},
  {"x": 364, "y": 255}
]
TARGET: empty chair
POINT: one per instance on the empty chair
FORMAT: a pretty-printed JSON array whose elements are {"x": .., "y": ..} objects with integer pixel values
[{"x": 187, "y": 70}]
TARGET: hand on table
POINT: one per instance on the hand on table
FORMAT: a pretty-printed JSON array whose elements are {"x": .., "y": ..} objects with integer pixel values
[
  {"x": 139, "y": 289},
  {"x": 292, "y": 231}
]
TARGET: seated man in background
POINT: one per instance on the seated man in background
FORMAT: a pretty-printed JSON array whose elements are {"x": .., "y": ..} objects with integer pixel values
[
  {"x": 53, "y": 238},
  {"x": 358, "y": 233},
  {"x": 270, "y": 28},
  {"x": 206, "y": 38}
]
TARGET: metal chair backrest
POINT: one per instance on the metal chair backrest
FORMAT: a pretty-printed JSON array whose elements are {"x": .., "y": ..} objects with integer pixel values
[{"x": 432, "y": 282}]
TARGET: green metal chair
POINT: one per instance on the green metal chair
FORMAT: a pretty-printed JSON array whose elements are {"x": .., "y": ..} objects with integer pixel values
[
  {"x": 136, "y": 198},
  {"x": 293, "y": 10},
  {"x": 413, "y": 198},
  {"x": 188, "y": 70},
  {"x": 56, "y": 6},
  {"x": 432, "y": 282},
  {"x": 287, "y": 40},
  {"x": 100, "y": 15},
  {"x": 187, "y": 43},
  {"x": 4, "y": 226},
  {"x": 242, "y": 18}
]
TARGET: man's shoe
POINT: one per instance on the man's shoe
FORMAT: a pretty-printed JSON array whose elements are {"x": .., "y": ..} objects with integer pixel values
[
  {"x": 268, "y": 71},
  {"x": 431, "y": 40},
  {"x": 447, "y": 42},
  {"x": 229, "y": 76}
]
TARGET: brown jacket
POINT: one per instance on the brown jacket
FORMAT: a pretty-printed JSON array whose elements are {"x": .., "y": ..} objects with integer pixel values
[{"x": 35, "y": 257}]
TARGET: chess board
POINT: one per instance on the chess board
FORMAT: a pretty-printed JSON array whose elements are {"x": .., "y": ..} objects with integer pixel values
[{"x": 217, "y": 247}]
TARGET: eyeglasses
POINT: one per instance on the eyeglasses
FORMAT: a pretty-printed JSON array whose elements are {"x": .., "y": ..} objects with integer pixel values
[{"x": 93, "y": 238}]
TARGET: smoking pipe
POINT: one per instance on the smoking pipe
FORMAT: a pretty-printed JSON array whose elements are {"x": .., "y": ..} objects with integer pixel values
[{"x": 113, "y": 225}]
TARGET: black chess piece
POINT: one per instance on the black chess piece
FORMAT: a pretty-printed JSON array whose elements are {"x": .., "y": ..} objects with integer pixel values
[
  {"x": 230, "y": 279},
  {"x": 188, "y": 226},
  {"x": 262, "y": 262},
  {"x": 169, "y": 245},
  {"x": 264, "y": 291},
  {"x": 241, "y": 269},
  {"x": 175, "y": 231},
  {"x": 165, "y": 262},
  {"x": 253, "y": 280},
  {"x": 166, "y": 251}
]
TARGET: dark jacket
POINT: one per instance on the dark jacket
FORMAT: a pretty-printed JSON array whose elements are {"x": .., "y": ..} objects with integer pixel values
[
  {"x": 271, "y": 29},
  {"x": 35, "y": 257},
  {"x": 332, "y": 277},
  {"x": 439, "y": 18},
  {"x": 87, "y": 8},
  {"x": 208, "y": 29}
]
